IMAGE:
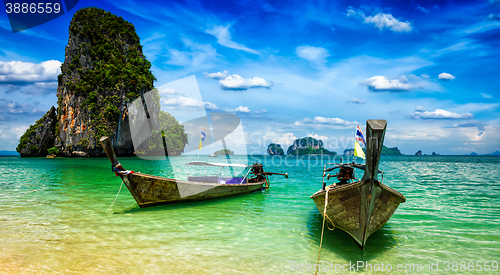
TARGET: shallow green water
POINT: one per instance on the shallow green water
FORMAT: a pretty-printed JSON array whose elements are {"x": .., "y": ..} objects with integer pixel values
[{"x": 54, "y": 219}]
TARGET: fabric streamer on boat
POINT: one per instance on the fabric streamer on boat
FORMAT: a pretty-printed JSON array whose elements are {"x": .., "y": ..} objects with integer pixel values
[
  {"x": 323, "y": 229},
  {"x": 117, "y": 172}
]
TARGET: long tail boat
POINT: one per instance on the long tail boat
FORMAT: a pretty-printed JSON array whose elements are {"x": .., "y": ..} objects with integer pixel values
[
  {"x": 359, "y": 207},
  {"x": 149, "y": 190}
]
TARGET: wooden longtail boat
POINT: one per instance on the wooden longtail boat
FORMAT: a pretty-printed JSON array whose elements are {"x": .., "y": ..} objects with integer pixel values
[
  {"x": 360, "y": 207},
  {"x": 149, "y": 190}
]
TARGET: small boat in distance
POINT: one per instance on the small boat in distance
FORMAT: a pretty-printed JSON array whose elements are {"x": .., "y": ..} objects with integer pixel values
[
  {"x": 213, "y": 156},
  {"x": 359, "y": 207},
  {"x": 149, "y": 190}
]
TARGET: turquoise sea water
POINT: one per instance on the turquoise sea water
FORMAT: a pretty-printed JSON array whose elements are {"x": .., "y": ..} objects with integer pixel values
[{"x": 54, "y": 219}]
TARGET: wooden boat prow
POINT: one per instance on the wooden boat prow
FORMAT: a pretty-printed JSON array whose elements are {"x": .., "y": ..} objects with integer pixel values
[
  {"x": 149, "y": 190},
  {"x": 361, "y": 207}
]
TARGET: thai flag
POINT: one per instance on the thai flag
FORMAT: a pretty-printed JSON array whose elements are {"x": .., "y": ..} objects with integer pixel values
[
  {"x": 203, "y": 136},
  {"x": 359, "y": 135}
]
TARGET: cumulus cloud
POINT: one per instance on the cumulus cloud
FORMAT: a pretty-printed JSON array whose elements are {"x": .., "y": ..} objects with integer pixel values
[
  {"x": 381, "y": 20},
  {"x": 17, "y": 72},
  {"x": 357, "y": 101},
  {"x": 445, "y": 76},
  {"x": 188, "y": 102},
  {"x": 240, "y": 109},
  {"x": 236, "y": 82},
  {"x": 325, "y": 121},
  {"x": 282, "y": 139},
  {"x": 224, "y": 38},
  {"x": 381, "y": 84},
  {"x": 316, "y": 55},
  {"x": 210, "y": 106},
  {"x": 420, "y": 112},
  {"x": 217, "y": 75}
]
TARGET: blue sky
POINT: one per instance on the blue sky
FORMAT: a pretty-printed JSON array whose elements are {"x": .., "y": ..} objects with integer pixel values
[{"x": 292, "y": 69}]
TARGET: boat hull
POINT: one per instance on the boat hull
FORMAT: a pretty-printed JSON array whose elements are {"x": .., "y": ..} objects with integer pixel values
[
  {"x": 359, "y": 208},
  {"x": 149, "y": 190}
]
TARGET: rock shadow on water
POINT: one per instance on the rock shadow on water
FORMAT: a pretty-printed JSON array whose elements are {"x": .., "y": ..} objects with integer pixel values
[{"x": 344, "y": 246}]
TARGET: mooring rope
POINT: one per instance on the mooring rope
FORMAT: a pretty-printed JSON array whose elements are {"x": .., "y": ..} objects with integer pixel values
[
  {"x": 116, "y": 197},
  {"x": 323, "y": 229}
]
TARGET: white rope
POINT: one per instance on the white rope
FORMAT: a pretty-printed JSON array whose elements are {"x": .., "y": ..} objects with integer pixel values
[
  {"x": 116, "y": 197},
  {"x": 323, "y": 229}
]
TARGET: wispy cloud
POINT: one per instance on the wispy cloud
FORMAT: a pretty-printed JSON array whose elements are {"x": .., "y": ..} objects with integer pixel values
[
  {"x": 420, "y": 112},
  {"x": 224, "y": 38},
  {"x": 381, "y": 20},
  {"x": 198, "y": 56},
  {"x": 312, "y": 54},
  {"x": 334, "y": 121},
  {"x": 357, "y": 101},
  {"x": 487, "y": 96}
]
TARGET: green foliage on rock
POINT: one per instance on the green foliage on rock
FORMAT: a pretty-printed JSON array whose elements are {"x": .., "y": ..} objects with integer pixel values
[
  {"x": 53, "y": 151},
  {"x": 30, "y": 132}
]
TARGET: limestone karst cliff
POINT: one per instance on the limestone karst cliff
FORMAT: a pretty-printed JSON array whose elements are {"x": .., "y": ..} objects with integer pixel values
[{"x": 103, "y": 70}]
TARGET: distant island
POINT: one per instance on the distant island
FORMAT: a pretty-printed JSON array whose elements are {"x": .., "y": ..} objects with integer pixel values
[
  {"x": 275, "y": 149},
  {"x": 308, "y": 146},
  {"x": 496, "y": 153},
  {"x": 394, "y": 151},
  {"x": 223, "y": 152}
]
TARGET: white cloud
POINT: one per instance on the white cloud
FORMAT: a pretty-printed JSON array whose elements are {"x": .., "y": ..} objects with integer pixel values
[
  {"x": 236, "y": 82},
  {"x": 224, "y": 38},
  {"x": 381, "y": 84},
  {"x": 357, "y": 101},
  {"x": 282, "y": 139},
  {"x": 240, "y": 109},
  {"x": 325, "y": 121},
  {"x": 188, "y": 102},
  {"x": 445, "y": 76},
  {"x": 381, "y": 20},
  {"x": 17, "y": 71},
  {"x": 316, "y": 55},
  {"x": 210, "y": 106},
  {"x": 183, "y": 102},
  {"x": 486, "y": 96},
  {"x": 420, "y": 112},
  {"x": 217, "y": 75},
  {"x": 19, "y": 131},
  {"x": 168, "y": 91}
]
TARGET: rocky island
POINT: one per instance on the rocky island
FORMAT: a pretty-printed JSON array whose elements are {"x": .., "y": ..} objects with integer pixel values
[
  {"x": 275, "y": 149},
  {"x": 308, "y": 146},
  {"x": 103, "y": 70}
]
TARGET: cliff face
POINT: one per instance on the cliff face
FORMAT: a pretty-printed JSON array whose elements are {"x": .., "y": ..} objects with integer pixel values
[
  {"x": 39, "y": 137},
  {"x": 104, "y": 69}
]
